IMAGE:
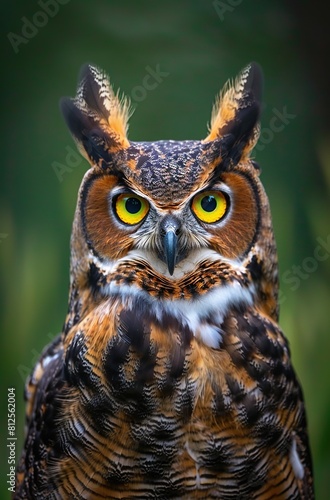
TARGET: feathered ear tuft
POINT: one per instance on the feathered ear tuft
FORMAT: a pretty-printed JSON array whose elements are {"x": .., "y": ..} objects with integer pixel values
[
  {"x": 97, "y": 117},
  {"x": 237, "y": 110}
]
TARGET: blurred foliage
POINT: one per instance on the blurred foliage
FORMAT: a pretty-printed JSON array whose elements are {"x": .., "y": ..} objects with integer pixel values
[{"x": 199, "y": 48}]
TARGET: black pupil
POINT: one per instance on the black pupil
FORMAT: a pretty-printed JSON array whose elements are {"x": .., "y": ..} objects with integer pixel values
[
  {"x": 208, "y": 203},
  {"x": 133, "y": 205}
]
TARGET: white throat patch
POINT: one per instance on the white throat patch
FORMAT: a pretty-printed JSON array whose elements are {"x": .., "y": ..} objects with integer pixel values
[
  {"x": 202, "y": 314},
  {"x": 194, "y": 313}
]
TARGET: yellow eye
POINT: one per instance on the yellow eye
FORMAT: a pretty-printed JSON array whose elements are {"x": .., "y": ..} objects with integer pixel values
[
  {"x": 131, "y": 208},
  {"x": 210, "y": 206}
]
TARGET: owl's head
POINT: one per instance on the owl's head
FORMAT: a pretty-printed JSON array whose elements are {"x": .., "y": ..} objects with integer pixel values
[{"x": 175, "y": 218}]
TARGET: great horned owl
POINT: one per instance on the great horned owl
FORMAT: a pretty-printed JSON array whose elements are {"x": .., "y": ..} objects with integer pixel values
[{"x": 171, "y": 377}]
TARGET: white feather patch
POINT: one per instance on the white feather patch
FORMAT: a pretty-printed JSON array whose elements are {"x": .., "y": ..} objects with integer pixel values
[
  {"x": 195, "y": 312},
  {"x": 215, "y": 304},
  {"x": 295, "y": 461},
  {"x": 193, "y": 455}
]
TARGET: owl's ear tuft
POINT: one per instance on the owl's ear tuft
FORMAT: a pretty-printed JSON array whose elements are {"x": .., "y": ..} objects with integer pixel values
[
  {"x": 235, "y": 115},
  {"x": 97, "y": 117}
]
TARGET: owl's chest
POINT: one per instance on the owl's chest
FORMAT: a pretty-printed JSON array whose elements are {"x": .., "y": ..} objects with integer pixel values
[
  {"x": 129, "y": 361},
  {"x": 157, "y": 400}
]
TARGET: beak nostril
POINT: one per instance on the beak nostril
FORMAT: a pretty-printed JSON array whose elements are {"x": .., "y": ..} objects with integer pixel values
[{"x": 170, "y": 223}]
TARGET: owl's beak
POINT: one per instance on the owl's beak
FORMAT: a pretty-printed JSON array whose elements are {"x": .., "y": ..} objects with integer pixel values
[
  {"x": 170, "y": 227},
  {"x": 170, "y": 244}
]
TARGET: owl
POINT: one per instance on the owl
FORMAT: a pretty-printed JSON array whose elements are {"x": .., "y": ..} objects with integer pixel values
[{"x": 171, "y": 378}]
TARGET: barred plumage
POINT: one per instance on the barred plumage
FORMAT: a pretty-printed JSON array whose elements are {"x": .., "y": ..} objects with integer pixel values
[{"x": 171, "y": 378}]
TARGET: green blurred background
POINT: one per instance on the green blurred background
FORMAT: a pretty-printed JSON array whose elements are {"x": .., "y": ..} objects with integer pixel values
[{"x": 197, "y": 45}]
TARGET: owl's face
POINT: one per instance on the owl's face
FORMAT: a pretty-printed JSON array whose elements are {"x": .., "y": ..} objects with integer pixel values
[
  {"x": 166, "y": 210},
  {"x": 174, "y": 218}
]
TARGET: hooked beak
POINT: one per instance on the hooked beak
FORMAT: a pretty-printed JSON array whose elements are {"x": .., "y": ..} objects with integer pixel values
[
  {"x": 170, "y": 250},
  {"x": 170, "y": 227}
]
